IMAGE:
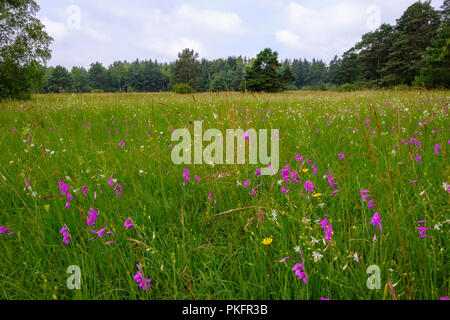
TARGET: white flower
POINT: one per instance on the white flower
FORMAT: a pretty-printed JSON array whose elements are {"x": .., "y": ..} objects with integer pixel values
[
  {"x": 438, "y": 226},
  {"x": 238, "y": 183},
  {"x": 274, "y": 215},
  {"x": 314, "y": 240},
  {"x": 446, "y": 186},
  {"x": 297, "y": 249},
  {"x": 356, "y": 257},
  {"x": 317, "y": 256},
  {"x": 141, "y": 171},
  {"x": 279, "y": 182}
]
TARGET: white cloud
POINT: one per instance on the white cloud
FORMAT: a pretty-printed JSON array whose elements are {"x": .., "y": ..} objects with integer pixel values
[
  {"x": 172, "y": 48},
  {"x": 323, "y": 31},
  {"x": 55, "y": 29}
]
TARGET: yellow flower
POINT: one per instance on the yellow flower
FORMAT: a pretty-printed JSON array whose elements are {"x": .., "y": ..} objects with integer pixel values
[
  {"x": 305, "y": 170},
  {"x": 317, "y": 195},
  {"x": 46, "y": 207},
  {"x": 267, "y": 241}
]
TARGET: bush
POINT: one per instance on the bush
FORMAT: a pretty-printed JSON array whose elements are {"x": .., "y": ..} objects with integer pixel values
[
  {"x": 97, "y": 91},
  {"x": 182, "y": 88}
]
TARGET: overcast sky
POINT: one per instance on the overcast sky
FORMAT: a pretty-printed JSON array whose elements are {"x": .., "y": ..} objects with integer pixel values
[{"x": 87, "y": 31}]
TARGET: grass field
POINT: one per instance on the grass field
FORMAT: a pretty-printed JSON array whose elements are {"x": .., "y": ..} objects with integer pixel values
[{"x": 204, "y": 239}]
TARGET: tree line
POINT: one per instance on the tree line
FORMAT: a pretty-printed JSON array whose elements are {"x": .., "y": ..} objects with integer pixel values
[{"x": 415, "y": 51}]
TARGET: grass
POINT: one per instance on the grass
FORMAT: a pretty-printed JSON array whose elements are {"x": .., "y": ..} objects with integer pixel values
[{"x": 195, "y": 248}]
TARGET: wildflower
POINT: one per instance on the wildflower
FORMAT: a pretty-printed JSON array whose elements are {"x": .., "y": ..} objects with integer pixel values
[
  {"x": 3, "y": 230},
  {"x": 309, "y": 186},
  {"x": 365, "y": 194},
  {"x": 418, "y": 157},
  {"x": 141, "y": 281},
  {"x": 300, "y": 272},
  {"x": 100, "y": 232},
  {"x": 128, "y": 224},
  {"x": 284, "y": 190},
  {"x": 376, "y": 221},
  {"x": 370, "y": 204},
  {"x": 110, "y": 242},
  {"x": 118, "y": 188},
  {"x": 197, "y": 178},
  {"x": 246, "y": 183},
  {"x": 317, "y": 256},
  {"x": 267, "y": 241},
  {"x": 84, "y": 189},
  {"x": 258, "y": 172},
  {"x": 274, "y": 215},
  {"x": 285, "y": 259},
  {"x": 186, "y": 175},
  {"x": 446, "y": 186},
  {"x": 305, "y": 170},
  {"x": 122, "y": 144},
  {"x": 111, "y": 180},
  {"x": 356, "y": 257},
  {"x": 92, "y": 217},
  {"x": 65, "y": 232},
  {"x": 436, "y": 148},
  {"x": 341, "y": 156},
  {"x": 422, "y": 230},
  {"x": 317, "y": 195},
  {"x": 297, "y": 249}
]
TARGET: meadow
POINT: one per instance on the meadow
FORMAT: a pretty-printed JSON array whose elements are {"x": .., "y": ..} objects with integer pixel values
[{"x": 87, "y": 180}]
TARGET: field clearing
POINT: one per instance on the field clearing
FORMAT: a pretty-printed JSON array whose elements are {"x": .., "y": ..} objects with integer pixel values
[{"x": 364, "y": 152}]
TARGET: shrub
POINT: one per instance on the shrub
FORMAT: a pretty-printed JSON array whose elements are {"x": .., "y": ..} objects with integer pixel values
[
  {"x": 182, "y": 88},
  {"x": 97, "y": 91}
]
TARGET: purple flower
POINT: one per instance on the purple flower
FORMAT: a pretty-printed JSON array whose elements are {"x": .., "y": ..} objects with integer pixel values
[
  {"x": 285, "y": 259},
  {"x": 300, "y": 272},
  {"x": 92, "y": 217},
  {"x": 128, "y": 224},
  {"x": 309, "y": 186},
  {"x": 3, "y": 230},
  {"x": 376, "y": 221},
  {"x": 141, "y": 281},
  {"x": 65, "y": 232},
  {"x": 418, "y": 157},
  {"x": 370, "y": 204},
  {"x": 258, "y": 172},
  {"x": 422, "y": 230},
  {"x": 122, "y": 144},
  {"x": 284, "y": 190},
  {"x": 84, "y": 189},
  {"x": 117, "y": 189},
  {"x": 341, "y": 156},
  {"x": 365, "y": 194},
  {"x": 100, "y": 232},
  {"x": 436, "y": 148}
]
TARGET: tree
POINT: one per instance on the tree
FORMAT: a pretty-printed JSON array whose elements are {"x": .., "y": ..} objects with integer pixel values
[
  {"x": 287, "y": 77},
  {"x": 436, "y": 60},
  {"x": 414, "y": 31},
  {"x": 262, "y": 74},
  {"x": 374, "y": 50},
  {"x": 118, "y": 74},
  {"x": 98, "y": 77},
  {"x": 80, "y": 80},
  {"x": 187, "y": 70},
  {"x": 59, "y": 80},
  {"x": 24, "y": 45}
]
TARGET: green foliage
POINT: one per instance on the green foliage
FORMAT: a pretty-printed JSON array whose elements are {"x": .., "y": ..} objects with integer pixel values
[
  {"x": 187, "y": 70},
  {"x": 182, "y": 88},
  {"x": 435, "y": 72},
  {"x": 24, "y": 44},
  {"x": 414, "y": 31},
  {"x": 262, "y": 74},
  {"x": 59, "y": 80}
]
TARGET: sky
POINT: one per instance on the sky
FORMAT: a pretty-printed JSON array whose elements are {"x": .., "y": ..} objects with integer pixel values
[{"x": 87, "y": 31}]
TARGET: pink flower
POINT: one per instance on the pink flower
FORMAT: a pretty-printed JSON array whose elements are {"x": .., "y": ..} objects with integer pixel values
[
  {"x": 300, "y": 272},
  {"x": 141, "y": 281},
  {"x": 309, "y": 186},
  {"x": 84, "y": 189},
  {"x": 285, "y": 259},
  {"x": 284, "y": 190},
  {"x": 376, "y": 221},
  {"x": 436, "y": 148},
  {"x": 128, "y": 224},
  {"x": 65, "y": 232},
  {"x": 341, "y": 156},
  {"x": 365, "y": 194},
  {"x": 100, "y": 232},
  {"x": 122, "y": 144},
  {"x": 92, "y": 217}
]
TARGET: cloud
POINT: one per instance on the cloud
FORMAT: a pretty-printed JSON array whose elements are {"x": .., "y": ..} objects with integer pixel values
[
  {"x": 323, "y": 31},
  {"x": 55, "y": 29},
  {"x": 172, "y": 48}
]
